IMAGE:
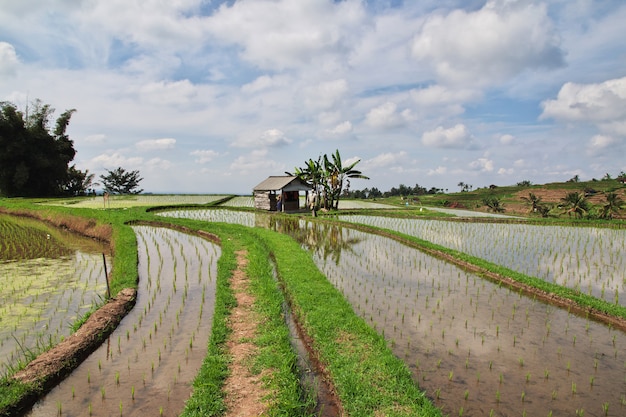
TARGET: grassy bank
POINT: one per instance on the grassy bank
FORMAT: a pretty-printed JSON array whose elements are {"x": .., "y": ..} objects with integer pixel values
[{"x": 368, "y": 378}]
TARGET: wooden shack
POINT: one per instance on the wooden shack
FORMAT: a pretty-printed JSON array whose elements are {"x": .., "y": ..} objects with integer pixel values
[{"x": 287, "y": 187}]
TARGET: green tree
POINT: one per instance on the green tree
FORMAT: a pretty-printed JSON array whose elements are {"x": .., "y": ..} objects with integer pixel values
[
  {"x": 336, "y": 173},
  {"x": 78, "y": 182},
  {"x": 493, "y": 204},
  {"x": 119, "y": 181},
  {"x": 533, "y": 202},
  {"x": 613, "y": 205},
  {"x": 33, "y": 159},
  {"x": 575, "y": 203}
]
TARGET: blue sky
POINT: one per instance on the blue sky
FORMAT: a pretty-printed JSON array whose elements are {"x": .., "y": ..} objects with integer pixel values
[{"x": 213, "y": 96}]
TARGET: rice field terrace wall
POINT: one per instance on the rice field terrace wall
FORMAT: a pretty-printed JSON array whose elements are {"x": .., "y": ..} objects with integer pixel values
[
  {"x": 148, "y": 364},
  {"x": 48, "y": 280},
  {"x": 586, "y": 259}
]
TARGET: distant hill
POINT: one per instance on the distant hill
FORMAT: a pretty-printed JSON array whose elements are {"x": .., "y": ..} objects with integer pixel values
[{"x": 512, "y": 197}]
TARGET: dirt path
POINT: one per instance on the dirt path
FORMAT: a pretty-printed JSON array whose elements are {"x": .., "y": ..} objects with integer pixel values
[{"x": 245, "y": 395}]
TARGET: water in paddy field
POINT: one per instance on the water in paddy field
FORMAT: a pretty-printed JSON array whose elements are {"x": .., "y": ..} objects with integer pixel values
[
  {"x": 48, "y": 279},
  {"x": 148, "y": 364},
  {"x": 475, "y": 348},
  {"x": 588, "y": 259}
]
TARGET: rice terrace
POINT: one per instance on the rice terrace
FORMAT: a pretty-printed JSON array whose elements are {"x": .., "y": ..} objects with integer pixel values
[{"x": 206, "y": 305}]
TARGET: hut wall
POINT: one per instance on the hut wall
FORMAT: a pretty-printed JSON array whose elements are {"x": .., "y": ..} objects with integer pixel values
[{"x": 265, "y": 200}]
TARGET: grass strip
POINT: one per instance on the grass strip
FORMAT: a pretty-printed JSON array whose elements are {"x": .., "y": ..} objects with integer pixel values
[
  {"x": 369, "y": 379},
  {"x": 275, "y": 353}
]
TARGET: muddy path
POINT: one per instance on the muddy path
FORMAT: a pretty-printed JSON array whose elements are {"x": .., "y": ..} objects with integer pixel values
[{"x": 147, "y": 365}]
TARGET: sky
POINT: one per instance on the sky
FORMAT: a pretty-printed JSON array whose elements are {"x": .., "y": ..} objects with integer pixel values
[{"x": 208, "y": 96}]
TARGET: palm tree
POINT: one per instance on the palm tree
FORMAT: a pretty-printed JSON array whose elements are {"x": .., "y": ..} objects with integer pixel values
[
  {"x": 493, "y": 204},
  {"x": 335, "y": 175},
  {"x": 575, "y": 203},
  {"x": 533, "y": 201},
  {"x": 614, "y": 204}
]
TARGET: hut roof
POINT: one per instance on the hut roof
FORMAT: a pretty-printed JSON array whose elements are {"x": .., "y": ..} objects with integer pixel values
[{"x": 284, "y": 182}]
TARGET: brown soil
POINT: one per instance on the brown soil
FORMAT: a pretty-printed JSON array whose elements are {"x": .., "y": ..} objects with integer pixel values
[
  {"x": 551, "y": 196},
  {"x": 245, "y": 395}
]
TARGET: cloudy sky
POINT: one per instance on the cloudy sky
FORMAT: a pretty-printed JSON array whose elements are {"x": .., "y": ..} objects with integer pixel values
[{"x": 209, "y": 96}]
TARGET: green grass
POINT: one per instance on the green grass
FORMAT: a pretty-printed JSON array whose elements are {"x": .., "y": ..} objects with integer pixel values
[
  {"x": 275, "y": 353},
  {"x": 369, "y": 379}
]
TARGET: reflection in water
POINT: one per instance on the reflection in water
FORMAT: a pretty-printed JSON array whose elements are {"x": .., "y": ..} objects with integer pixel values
[
  {"x": 149, "y": 362},
  {"x": 476, "y": 348}
]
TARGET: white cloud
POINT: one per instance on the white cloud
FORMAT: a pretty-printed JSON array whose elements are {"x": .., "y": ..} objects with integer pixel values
[
  {"x": 261, "y": 83},
  {"x": 436, "y": 97},
  {"x": 325, "y": 95},
  {"x": 8, "y": 60},
  {"x": 341, "y": 129},
  {"x": 168, "y": 93},
  {"x": 116, "y": 159},
  {"x": 97, "y": 138},
  {"x": 488, "y": 45},
  {"x": 440, "y": 170},
  {"x": 204, "y": 155},
  {"x": 482, "y": 164},
  {"x": 384, "y": 116},
  {"x": 158, "y": 164},
  {"x": 156, "y": 144},
  {"x": 455, "y": 137},
  {"x": 506, "y": 139},
  {"x": 258, "y": 162},
  {"x": 601, "y": 102},
  {"x": 286, "y": 34},
  {"x": 270, "y": 138},
  {"x": 385, "y": 160}
]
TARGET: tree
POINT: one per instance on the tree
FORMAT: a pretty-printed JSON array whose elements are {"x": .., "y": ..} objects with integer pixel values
[
  {"x": 33, "y": 159},
  {"x": 313, "y": 175},
  {"x": 326, "y": 176},
  {"x": 78, "y": 182},
  {"x": 614, "y": 204},
  {"x": 533, "y": 202},
  {"x": 119, "y": 181},
  {"x": 336, "y": 173},
  {"x": 575, "y": 203},
  {"x": 493, "y": 204}
]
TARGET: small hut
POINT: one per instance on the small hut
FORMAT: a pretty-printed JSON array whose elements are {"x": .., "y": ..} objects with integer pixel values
[{"x": 288, "y": 188}]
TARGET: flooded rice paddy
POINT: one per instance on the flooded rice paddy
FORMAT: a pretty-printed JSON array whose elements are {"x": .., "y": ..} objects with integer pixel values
[
  {"x": 590, "y": 260},
  {"x": 475, "y": 347},
  {"x": 48, "y": 280},
  {"x": 148, "y": 364}
]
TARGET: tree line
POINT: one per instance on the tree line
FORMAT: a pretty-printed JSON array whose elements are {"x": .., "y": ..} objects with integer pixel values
[{"x": 35, "y": 158}]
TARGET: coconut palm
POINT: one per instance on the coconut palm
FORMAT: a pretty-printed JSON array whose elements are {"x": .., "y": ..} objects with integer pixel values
[
  {"x": 614, "y": 204},
  {"x": 533, "y": 201},
  {"x": 575, "y": 203},
  {"x": 493, "y": 204}
]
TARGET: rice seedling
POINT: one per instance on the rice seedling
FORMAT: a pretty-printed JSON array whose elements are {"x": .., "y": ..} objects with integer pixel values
[{"x": 150, "y": 360}]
